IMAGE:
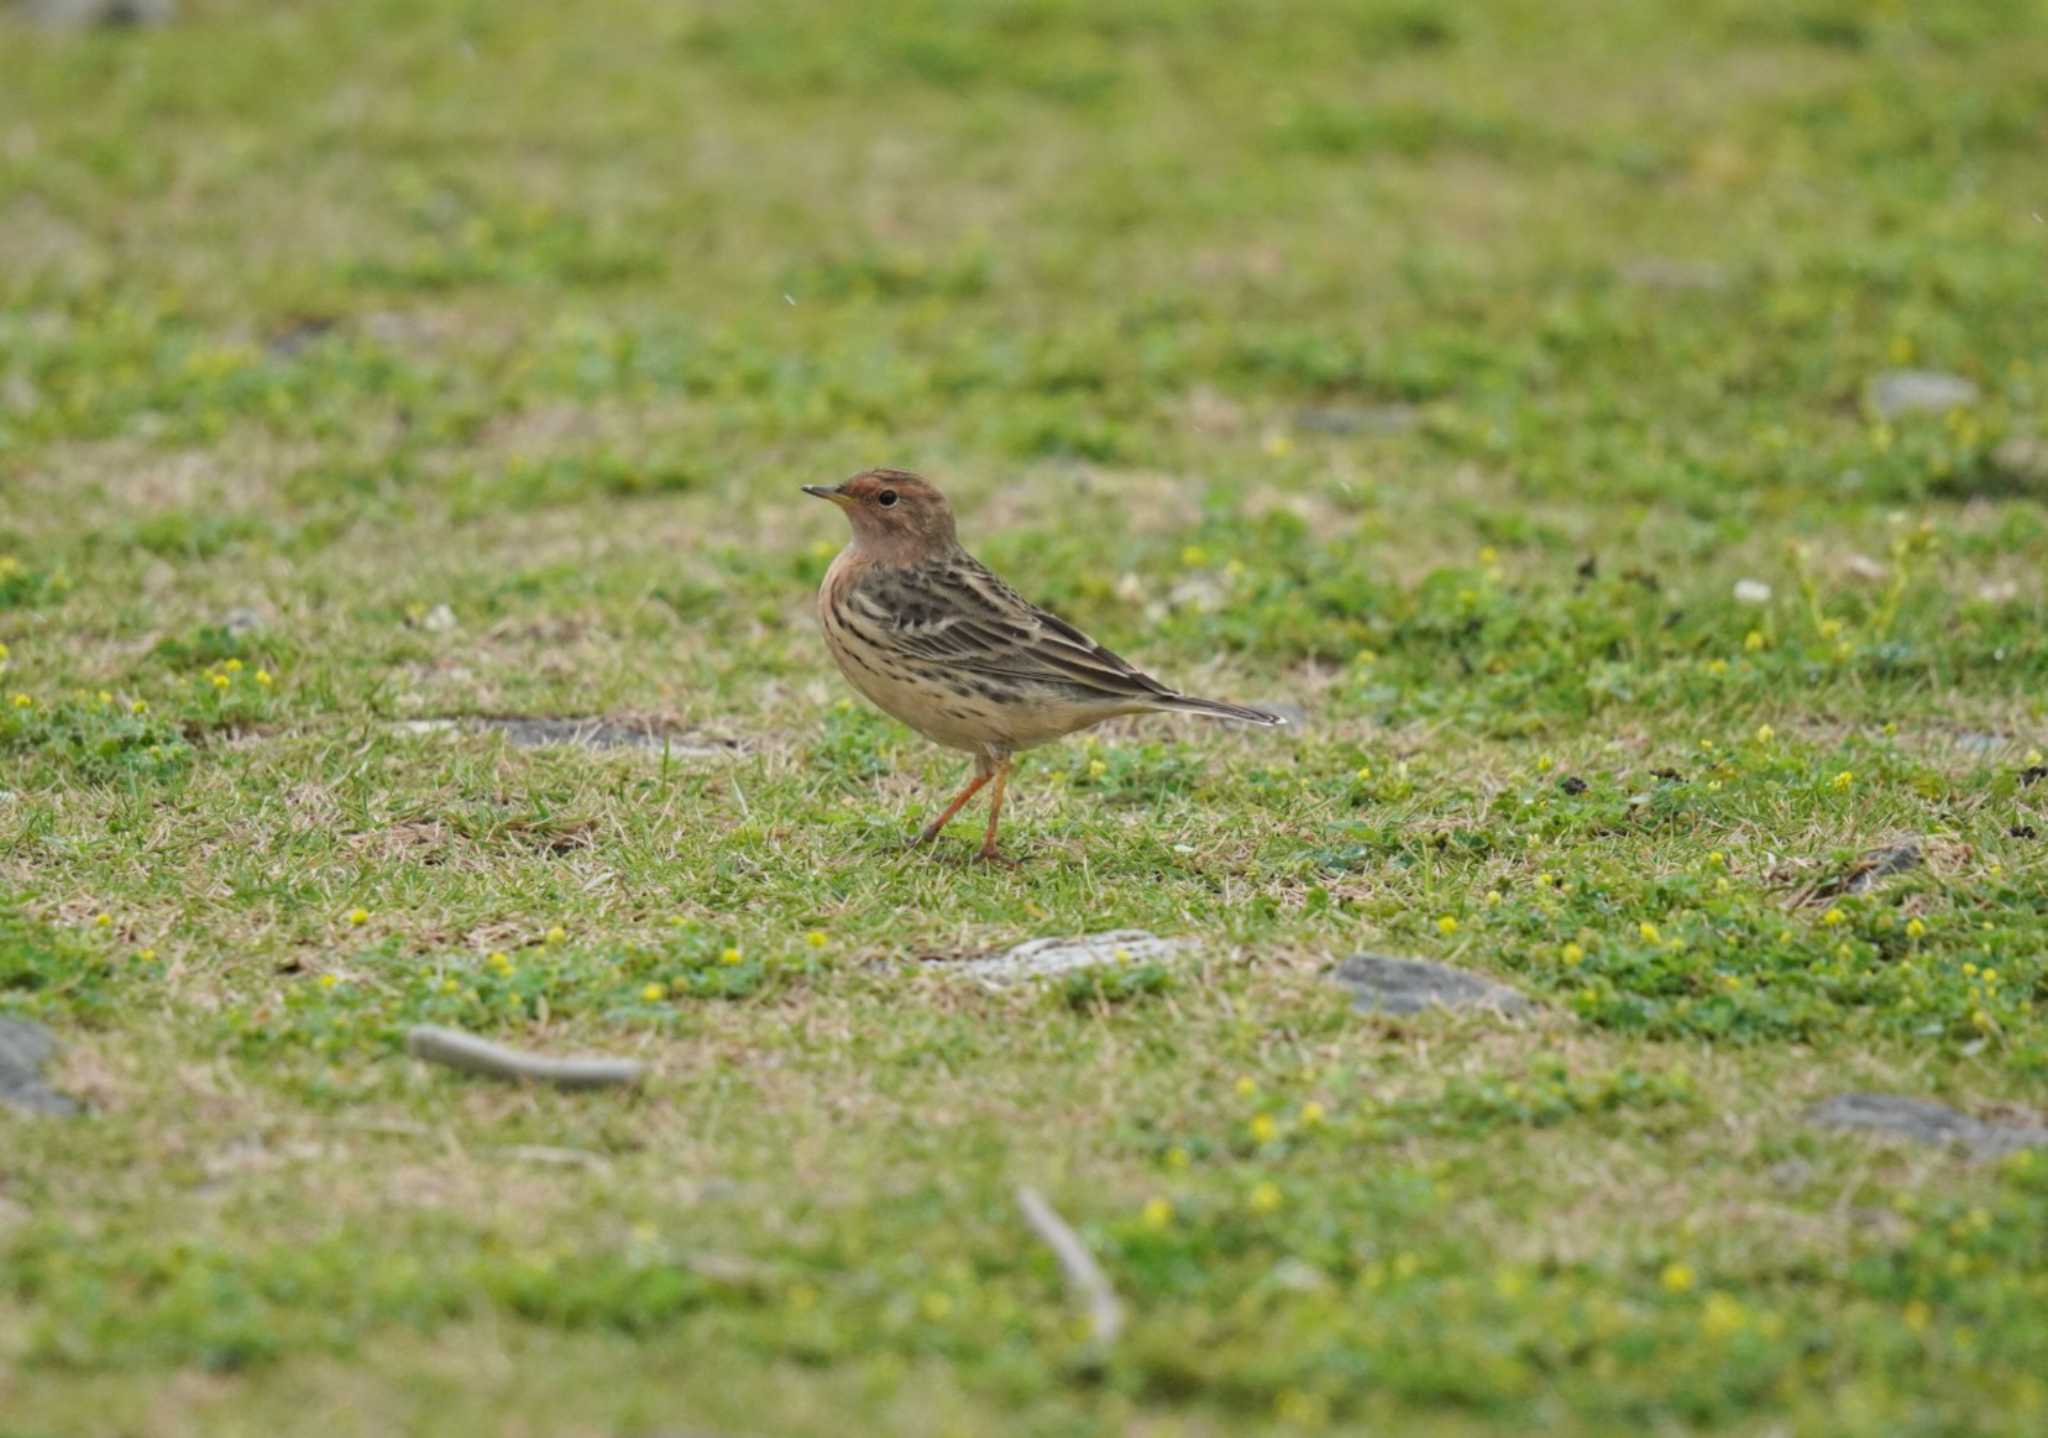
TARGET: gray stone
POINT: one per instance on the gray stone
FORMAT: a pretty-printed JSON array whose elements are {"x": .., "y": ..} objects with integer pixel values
[
  {"x": 1926, "y": 1122},
  {"x": 25, "y": 1049},
  {"x": 78, "y": 14},
  {"x": 1381, "y": 985},
  {"x": 595, "y": 733},
  {"x": 1920, "y": 391},
  {"x": 1880, "y": 864},
  {"x": 2022, "y": 460},
  {"x": 241, "y": 621},
  {"x": 1657, "y": 273},
  {"x": 1049, "y": 958}
]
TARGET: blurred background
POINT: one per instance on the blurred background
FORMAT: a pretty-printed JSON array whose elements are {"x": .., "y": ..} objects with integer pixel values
[{"x": 1668, "y": 283}]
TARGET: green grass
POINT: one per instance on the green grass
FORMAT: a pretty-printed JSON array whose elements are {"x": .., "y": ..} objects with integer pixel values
[{"x": 1438, "y": 369}]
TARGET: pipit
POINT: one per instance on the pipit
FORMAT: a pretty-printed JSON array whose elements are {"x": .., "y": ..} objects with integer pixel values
[{"x": 928, "y": 634}]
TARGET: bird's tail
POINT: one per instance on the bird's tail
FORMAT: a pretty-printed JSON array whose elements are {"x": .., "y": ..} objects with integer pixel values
[{"x": 1217, "y": 709}]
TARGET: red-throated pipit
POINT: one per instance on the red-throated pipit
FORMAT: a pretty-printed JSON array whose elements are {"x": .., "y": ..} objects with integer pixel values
[{"x": 924, "y": 630}]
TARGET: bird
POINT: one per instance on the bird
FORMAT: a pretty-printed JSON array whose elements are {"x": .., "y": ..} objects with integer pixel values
[{"x": 931, "y": 636}]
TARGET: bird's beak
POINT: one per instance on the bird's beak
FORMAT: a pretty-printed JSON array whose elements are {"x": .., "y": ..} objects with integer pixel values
[{"x": 826, "y": 491}]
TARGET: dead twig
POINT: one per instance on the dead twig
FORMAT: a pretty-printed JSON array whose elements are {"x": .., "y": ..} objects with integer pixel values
[
  {"x": 1105, "y": 1309},
  {"x": 471, "y": 1054}
]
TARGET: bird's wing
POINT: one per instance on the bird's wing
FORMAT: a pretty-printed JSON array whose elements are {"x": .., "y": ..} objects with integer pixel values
[{"x": 956, "y": 612}]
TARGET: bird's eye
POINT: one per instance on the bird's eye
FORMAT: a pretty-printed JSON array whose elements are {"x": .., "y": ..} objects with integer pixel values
[{"x": 886, "y": 498}]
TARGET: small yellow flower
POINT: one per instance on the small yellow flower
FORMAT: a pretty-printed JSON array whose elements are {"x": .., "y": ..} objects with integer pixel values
[
  {"x": 1156, "y": 1215},
  {"x": 138, "y": 707},
  {"x": 1648, "y": 931},
  {"x": 1447, "y": 925},
  {"x": 1194, "y": 556},
  {"x": 729, "y": 956},
  {"x": 1846, "y": 779},
  {"x": 2032, "y": 759},
  {"x": 147, "y": 956},
  {"x": 220, "y": 681},
  {"x": 1717, "y": 667},
  {"x": 1364, "y": 657},
  {"x": 654, "y": 993},
  {"x": 1097, "y": 768},
  {"x": 1571, "y": 954},
  {"x": 1765, "y": 733},
  {"x": 328, "y": 981},
  {"x": 1178, "y": 1157},
  {"x": 1915, "y": 928},
  {"x": 1278, "y": 445},
  {"x": 1265, "y": 1198},
  {"x": 233, "y": 666},
  {"x": 1492, "y": 897},
  {"x": 450, "y": 986},
  {"x": 4, "y": 652},
  {"x": 1722, "y": 1316},
  {"x": 1489, "y": 555},
  {"x": 263, "y": 677},
  {"x": 501, "y": 961},
  {"x": 1246, "y": 1086},
  {"x": 555, "y": 935},
  {"x": 106, "y": 699},
  {"x": 1754, "y": 640},
  {"x": 1676, "y": 1278},
  {"x": 1544, "y": 764},
  {"x": 1262, "y": 1128},
  {"x": 1833, "y": 917},
  {"x": 815, "y": 938},
  {"x": 22, "y": 701},
  {"x": 1311, "y": 1114},
  {"x": 103, "y": 921},
  {"x": 1364, "y": 771},
  {"x": 359, "y": 917},
  {"x": 1830, "y": 628}
]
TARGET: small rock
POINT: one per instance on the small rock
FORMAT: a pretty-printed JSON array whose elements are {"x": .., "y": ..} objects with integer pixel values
[
  {"x": 539, "y": 733},
  {"x": 2023, "y": 459},
  {"x": 78, "y": 14},
  {"x": 1048, "y": 958},
  {"x": 1408, "y": 986},
  {"x": 25, "y": 1050},
  {"x": 1752, "y": 591},
  {"x": 438, "y": 620},
  {"x": 1881, "y": 864},
  {"x": 1927, "y": 1122},
  {"x": 1920, "y": 391},
  {"x": 1656, "y": 273},
  {"x": 1358, "y": 419},
  {"x": 241, "y": 621}
]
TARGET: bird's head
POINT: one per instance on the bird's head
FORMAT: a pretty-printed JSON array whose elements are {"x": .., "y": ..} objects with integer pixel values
[{"x": 894, "y": 513}]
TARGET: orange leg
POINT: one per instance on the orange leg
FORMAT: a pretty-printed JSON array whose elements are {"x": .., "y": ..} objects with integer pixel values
[
  {"x": 931, "y": 830},
  {"x": 995, "y": 810}
]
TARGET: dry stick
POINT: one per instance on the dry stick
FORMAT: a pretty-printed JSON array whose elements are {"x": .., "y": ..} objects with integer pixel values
[
  {"x": 471, "y": 1054},
  {"x": 1105, "y": 1310}
]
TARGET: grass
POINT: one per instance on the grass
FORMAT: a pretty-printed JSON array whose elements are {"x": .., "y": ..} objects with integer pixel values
[{"x": 1439, "y": 370}]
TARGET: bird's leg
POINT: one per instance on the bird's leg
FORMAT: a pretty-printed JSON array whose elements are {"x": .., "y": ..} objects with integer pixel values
[
  {"x": 931, "y": 830},
  {"x": 995, "y": 809}
]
